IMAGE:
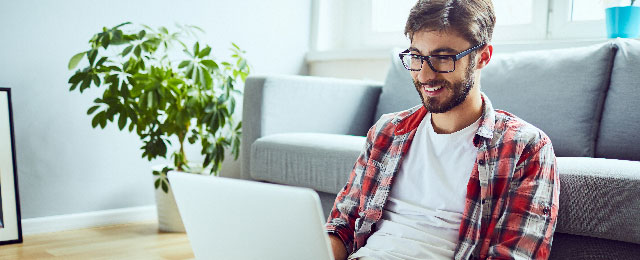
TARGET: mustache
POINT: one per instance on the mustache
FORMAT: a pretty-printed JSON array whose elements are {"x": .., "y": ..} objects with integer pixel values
[{"x": 434, "y": 82}]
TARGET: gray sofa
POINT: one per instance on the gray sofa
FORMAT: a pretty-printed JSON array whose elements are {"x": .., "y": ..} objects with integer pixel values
[{"x": 308, "y": 131}]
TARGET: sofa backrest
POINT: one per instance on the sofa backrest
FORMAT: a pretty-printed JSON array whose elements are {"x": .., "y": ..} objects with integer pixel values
[
  {"x": 560, "y": 91},
  {"x": 620, "y": 124}
]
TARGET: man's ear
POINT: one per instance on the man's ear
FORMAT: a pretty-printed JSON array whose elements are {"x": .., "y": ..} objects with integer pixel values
[{"x": 485, "y": 56}]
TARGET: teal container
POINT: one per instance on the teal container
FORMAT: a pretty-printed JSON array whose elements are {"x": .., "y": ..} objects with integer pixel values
[{"x": 623, "y": 22}]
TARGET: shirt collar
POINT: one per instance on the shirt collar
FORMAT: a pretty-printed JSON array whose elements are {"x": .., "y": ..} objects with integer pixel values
[
  {"x": 416, "y": 115},
  {"x": 487, "y": 120}
]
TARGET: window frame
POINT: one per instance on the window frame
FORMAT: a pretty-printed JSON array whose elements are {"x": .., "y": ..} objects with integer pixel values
[
  {"x": 537, "y": 30},
  {"x": 562, "y": 28},
  {"x": 346, "y": 25}
]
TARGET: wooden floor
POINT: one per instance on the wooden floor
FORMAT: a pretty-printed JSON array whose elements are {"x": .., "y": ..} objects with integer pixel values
[{"x": 130, "y": 241}]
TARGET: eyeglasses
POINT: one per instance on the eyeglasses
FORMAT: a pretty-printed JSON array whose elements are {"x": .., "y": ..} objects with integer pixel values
[{"x": 437, "y": 63}]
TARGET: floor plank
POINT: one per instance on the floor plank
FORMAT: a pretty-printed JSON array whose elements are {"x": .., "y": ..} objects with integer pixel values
[{"x": 129, "y": 241}]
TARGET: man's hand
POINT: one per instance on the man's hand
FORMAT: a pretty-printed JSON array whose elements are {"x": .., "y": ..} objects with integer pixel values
[{"x": 339, "y": 252}]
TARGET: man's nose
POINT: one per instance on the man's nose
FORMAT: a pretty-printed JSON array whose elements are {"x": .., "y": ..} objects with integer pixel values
[{"x": 426, "y": 73}]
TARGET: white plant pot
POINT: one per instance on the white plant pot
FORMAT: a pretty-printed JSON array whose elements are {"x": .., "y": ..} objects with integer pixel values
[{"x": 169, "y": 219}]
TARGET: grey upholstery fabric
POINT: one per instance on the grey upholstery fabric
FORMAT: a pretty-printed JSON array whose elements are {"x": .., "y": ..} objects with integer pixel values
[
  {"x": 318, "y": 161},
  {"x": 599, "y": 198},
  {"x": 618, "y": 138},
  {"x": 398, "y": 92},
  {"x": 572, "y": 247},
  {"x": 559, "y": 91},
  {"x": 282, "y": 104}
]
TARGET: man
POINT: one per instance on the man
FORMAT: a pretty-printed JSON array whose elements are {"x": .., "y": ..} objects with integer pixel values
[{"x": 452, "y": 178}]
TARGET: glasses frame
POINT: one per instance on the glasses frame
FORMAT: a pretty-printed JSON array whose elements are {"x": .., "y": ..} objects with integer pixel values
[{"x": 454, "y": 57}]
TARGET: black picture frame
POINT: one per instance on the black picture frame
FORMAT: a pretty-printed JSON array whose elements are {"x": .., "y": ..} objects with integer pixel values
[{"x": 10, "y": 220}]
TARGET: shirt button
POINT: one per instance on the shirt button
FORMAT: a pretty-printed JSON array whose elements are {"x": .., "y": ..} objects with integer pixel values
[{"x": 481, "y": 162}]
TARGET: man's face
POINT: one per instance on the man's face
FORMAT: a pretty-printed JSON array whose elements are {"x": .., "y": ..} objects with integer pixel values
[{"x": 441, "y": 92}]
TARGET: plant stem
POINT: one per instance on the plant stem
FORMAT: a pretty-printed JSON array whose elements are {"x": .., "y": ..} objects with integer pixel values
[{"x": 183, "y": 155}]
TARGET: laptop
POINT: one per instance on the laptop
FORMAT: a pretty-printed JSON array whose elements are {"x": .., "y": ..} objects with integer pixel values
[{"x": 239, "y": 219}]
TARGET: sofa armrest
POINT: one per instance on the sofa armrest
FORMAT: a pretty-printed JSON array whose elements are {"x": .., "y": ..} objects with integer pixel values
[
  {"x": 599, "y": 198},
  {"x": 285, "y": 104}
]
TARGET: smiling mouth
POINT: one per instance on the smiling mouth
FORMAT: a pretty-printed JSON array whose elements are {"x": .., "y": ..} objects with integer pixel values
[{"x": 431, "y": 89}]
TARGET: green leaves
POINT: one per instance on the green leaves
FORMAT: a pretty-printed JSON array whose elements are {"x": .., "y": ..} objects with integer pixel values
[
  {"x": 122, "y": 121},
  {"x": 92, "y": 109},
  {"x": 146, "y": 90},
  {"x": 137, "y": 51},
  {"x": 184, "y": 64},
  {"x": 127, "y": 50},
  {"x": 73, "y": 62},
  {"x": 196, "y": 48},
  {"x": 84, "y": 78},
  {"x": 210, "y": 64},
  {"x": 162, "y": 180},
  {"x": 92, "y": 54},
  {"x": 205, "y": 52},
  {"x": 106, "y": 39},
  {"x": 99, "y": 119}
]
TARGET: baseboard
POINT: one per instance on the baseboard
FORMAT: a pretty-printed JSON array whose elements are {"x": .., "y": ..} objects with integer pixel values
[{"x": 88, "y": 220}]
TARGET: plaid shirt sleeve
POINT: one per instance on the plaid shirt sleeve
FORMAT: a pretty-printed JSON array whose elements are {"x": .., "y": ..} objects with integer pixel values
[
  {"x": 525, "y": 229},
  {"x": 345, "y": 210}
]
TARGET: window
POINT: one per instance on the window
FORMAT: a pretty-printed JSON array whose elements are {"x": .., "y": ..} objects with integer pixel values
[
  {"x": 386, "y": 16},
  {"x": 576, "y": 19},
  {"x": 586, "y": 10},
  {"x": 520, "y": 20},
  {"x": 370, "y": 24}
]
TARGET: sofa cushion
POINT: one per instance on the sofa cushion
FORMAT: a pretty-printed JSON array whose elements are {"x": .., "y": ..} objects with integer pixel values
[
  {"x": 560, "y": 91},
  {"x": 398, "y": 92},
  {"x": 572, "y": 247},
  {"x": 618, "y": 137},
  {"x": 599, "y": 198},
  {"x": 322, "y": 162}
]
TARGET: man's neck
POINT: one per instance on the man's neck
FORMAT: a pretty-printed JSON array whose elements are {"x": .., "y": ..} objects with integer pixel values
[{"x": 460, "y": 116}]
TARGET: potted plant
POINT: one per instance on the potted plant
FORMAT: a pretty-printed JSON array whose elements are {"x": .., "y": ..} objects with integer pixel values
[
  {"x": 166, "y": 98},
  {"x": 623, "y": 20}
]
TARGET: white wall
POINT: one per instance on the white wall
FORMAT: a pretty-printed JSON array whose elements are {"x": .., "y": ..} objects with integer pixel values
[{"x": 65, "y": 166}]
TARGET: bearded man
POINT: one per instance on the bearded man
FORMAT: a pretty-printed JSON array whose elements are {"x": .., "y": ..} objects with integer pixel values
[{"x": 451, "y": 178}]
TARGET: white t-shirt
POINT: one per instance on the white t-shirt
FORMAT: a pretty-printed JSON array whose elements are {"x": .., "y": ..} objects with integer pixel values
[{"x": 422, "y": 215}]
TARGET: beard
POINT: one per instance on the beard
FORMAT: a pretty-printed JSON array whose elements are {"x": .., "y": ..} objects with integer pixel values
[{"x": 460, "y": 91}]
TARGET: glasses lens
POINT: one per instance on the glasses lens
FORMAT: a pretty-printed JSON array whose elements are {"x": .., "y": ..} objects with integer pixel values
[
  {"x": 411, "y": 62},
  {"x": 442, "y": 63}
]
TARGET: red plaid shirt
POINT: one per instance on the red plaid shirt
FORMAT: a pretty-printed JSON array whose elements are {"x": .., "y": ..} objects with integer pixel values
[{"x": 512, "y": 196}]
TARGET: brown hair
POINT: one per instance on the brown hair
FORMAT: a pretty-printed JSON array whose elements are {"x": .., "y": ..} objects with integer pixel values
[{"x": 473, "y": 19}]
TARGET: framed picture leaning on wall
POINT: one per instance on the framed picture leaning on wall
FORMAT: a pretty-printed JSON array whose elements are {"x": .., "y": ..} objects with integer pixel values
[{"x": 10, "y": 225}]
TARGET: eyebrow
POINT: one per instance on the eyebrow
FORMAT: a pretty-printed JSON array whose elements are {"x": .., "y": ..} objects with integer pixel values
[{"x": 439, "y": 50}]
